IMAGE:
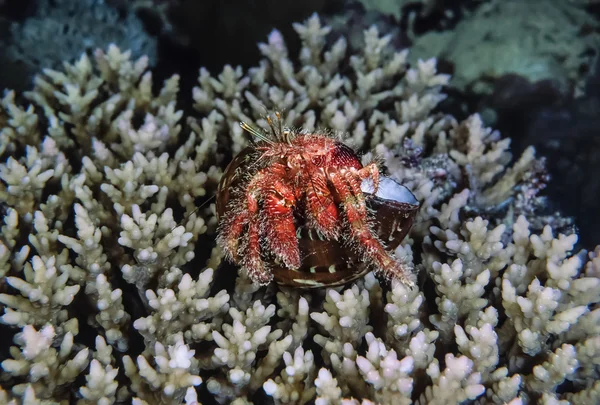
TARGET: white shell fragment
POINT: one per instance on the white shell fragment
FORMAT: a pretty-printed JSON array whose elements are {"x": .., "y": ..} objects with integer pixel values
[{"x": 389, "y": 189}]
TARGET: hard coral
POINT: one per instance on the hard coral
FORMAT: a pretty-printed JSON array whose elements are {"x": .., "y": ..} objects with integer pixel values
[
  {"x": 538, "y": 40},
  {"x": 59, "y": 30},
  {"x": 98, "y": 279}
]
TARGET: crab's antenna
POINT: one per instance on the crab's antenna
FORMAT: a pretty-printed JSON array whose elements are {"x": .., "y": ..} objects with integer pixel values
[
  {"x": 276, "y": 134},
  {"x": 256, "y": 133},
  {"x": 278, "y": 115},
  {"x": 198, "y": 208}
]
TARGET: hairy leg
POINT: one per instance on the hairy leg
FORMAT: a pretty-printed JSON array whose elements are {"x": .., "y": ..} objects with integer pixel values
[
  {"x": 230, "y": 234},
  {"x": 366, "y": 241},
  {"x": 322, "y": 211},
  {"x": 273, "y": 225},
  {"x": 277, "y": 222},
  {"x": 252, "y": 262},
  {"x": 353, "y": 180},
  {"x": 244, "y": 249}
]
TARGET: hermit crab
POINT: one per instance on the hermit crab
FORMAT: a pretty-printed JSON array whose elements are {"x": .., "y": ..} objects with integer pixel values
[{"x": 299, "y": 208}]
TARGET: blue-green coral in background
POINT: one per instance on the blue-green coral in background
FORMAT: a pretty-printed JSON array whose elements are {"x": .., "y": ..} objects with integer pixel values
[
  {"x": 97, "y": 167},
  {"x": 60, "y": 30}
]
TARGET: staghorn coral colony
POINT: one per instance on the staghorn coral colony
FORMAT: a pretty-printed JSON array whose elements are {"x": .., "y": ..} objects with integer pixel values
[{"x": 111, "y": 283}]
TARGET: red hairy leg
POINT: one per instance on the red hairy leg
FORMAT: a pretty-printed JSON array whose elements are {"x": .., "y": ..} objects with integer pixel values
[
  {"x": 353, "y": 181},
  {"x": 367, "y": 242},
  {"x": 248, "y": 255},
  {"x": 241, "y": 214},
  {"x": 322, "y": 211},
  {"x": 277, "y": 222},
  {"x": 231, "y": 231},
  {"x": 252, "y": 262}
]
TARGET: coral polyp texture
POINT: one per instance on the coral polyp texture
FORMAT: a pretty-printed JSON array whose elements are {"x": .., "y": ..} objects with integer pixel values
[{"x": 112, "y": 284}]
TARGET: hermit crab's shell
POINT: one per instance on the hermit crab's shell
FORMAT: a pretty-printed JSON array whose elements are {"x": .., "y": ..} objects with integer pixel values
[{"x": 328, "y": 263}]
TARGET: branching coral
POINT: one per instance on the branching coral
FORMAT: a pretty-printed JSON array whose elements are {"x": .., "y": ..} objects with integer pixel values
[{"x": 100, "y": 243}]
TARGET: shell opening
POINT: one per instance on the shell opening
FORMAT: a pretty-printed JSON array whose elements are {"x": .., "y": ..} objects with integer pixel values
[{"x": 389, "y": 189}]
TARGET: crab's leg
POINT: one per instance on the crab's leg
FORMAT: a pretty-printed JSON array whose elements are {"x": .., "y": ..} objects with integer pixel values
[
  {"x": 321, "y": 208},
  {"x": 252, "y": 262},
  {"x": 231, "y": 233},
  {"x": 371, "y": 170},
  {"x": 277, "y": 223},
  {"x": 366, "y": 241},
  {"x": 274, "y": 224},
  {"x": 353, "y": 180}
]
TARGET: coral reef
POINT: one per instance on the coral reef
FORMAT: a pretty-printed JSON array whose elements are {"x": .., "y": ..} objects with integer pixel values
[
  {"x": 115, "y": 292},
  {"x": 59, "y": 30},
  {"x": 537, "y": 40}
]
